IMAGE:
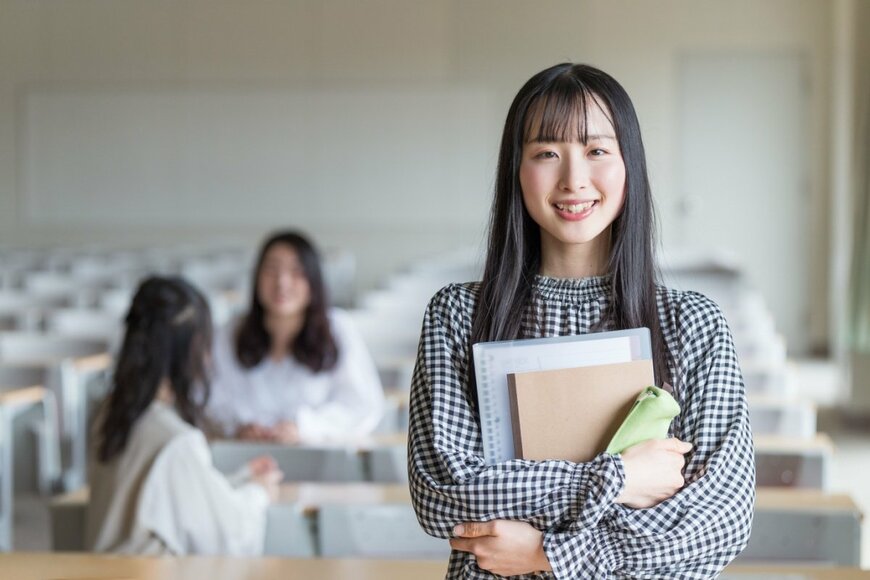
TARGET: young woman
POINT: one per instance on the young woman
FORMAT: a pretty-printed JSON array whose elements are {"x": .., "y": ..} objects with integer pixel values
[
  {"x": 153, "y": 488},
  {"x": 293, "y": 370},
  {"x": 570, "y": 252}
]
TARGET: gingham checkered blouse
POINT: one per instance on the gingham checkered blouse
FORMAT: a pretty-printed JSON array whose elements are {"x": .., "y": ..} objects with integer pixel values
[{"x": 693, "y": 534}]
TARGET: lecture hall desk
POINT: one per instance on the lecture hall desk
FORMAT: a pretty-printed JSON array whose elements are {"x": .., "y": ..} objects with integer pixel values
[
  {"x": 312, "y": 495},
  {"x": 54, "y": 566},
  {"x": 12, "y": 402},
  {"x": 772, "y": 504}
]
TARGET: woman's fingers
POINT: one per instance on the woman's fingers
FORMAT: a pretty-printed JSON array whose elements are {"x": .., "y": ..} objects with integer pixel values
[
  {"x": 677, "y": 446},
  {"x": 255, "y": 432},
  {"x": 653, "y": 471},
  {"x": 463, "y": 544},
  {"x": 504, "y": 547},
  {"x": 475, "y": 529}
]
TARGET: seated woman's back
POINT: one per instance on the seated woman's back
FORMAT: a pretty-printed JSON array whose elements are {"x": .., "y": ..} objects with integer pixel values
[{"x": 154, "y": 489}]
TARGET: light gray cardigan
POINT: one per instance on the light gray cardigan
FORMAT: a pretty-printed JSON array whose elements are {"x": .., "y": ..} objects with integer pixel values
[{"x": 162, "y": 495}]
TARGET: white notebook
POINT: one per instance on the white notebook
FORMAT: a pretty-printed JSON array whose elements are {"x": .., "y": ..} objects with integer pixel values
[{"x": 493, "y": 361}]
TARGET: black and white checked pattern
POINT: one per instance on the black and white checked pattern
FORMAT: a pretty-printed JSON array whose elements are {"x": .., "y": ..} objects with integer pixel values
[{"x": 586, "y": 535}]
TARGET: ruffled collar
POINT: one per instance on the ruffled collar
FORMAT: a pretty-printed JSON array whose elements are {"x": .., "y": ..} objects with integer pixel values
[{"x": 572, "y": 289}]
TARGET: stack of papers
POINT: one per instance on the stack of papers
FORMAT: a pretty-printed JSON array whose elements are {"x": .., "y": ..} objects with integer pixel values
[{"x": 603, "y": 398}]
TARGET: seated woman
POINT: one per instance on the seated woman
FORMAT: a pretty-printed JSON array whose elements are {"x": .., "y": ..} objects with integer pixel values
[
  {"x": 153, "y": 487},
  {"x": 293, "y": 370}
]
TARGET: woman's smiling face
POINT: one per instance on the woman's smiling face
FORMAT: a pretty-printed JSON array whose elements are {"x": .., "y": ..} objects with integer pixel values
[
  {"x": 282, "y": 287},
  {"x": 574, "y": 190}
]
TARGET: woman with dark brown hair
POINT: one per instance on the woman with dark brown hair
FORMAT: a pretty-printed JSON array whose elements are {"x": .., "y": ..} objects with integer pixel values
[
  {"x": 153, "y": 488},
  {"x": 292, "y": 369}
]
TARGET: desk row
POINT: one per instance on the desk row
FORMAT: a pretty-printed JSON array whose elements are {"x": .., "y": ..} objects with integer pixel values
[
  {"x": 368, "y": 520},
  {"x": 39, "y": 566}
]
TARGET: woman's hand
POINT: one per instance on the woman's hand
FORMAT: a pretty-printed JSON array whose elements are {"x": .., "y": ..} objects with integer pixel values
[
  {"x": 503, "y": 547},
  {"x": 255, "y": 432},
  {"x": 264, "y": 472},
  {"x": 286, "y": 432},
  {"x": 269, "y": 481},
  {"x": 262, "y": 464},
  {"x": 653, "y": 472}
]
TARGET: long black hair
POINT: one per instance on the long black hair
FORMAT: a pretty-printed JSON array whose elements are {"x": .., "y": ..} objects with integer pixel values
[
  {"x": 314, "y": 346},
  {"x": 168, "y": 336},
  {"x": 557, "y": 101}
]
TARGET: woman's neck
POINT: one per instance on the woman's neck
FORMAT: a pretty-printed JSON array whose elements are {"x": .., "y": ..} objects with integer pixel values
[
  {"x": 282, "y": 330},
  {"x": 561, "y": 260},
  {"x": 164, "y": 392}
]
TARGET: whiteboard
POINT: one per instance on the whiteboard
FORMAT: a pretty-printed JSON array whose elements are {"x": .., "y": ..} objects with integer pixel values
[{"x": 207, "y": 156}]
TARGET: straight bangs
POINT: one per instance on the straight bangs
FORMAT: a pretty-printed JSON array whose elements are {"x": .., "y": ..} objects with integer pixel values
[{"x": 559, "y": 114}]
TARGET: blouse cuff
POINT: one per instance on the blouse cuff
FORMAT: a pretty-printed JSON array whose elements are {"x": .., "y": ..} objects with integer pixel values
[
  {"x": 256, "y": 494},
  {"x": 595, "y": 486},
  {"x": 311, "y": 427},
  {"x": 592, "y": 553},
  {"x": 240, "y": 476}
]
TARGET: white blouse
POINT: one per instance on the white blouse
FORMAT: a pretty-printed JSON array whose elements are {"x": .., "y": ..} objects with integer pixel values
[
  {"x": 162, "y": 495},
  {"x": 344, "y": 402}
]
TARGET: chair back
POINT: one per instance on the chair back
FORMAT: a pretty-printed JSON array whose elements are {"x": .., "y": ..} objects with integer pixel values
[
  {"x": 298, "y": 463},
  {"x": 388, "y": 531}
]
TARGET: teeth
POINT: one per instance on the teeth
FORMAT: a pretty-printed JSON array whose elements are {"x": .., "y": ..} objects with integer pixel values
[{"x": 575, "y": 208}]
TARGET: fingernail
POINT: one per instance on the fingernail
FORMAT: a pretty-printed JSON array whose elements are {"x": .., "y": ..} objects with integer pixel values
[{"x": 459, "y": 529}]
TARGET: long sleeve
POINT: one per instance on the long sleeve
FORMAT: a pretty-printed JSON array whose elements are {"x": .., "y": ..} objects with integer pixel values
[
  {"x": 192, "y": 508},
  {"x": 697, "y": 532},
  {"x": 228, "y": 387},
  {"x": 450, "y": 482},
  {"x": 356, "y": 402}
]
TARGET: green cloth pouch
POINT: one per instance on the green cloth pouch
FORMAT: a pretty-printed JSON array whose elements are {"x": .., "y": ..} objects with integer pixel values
[{"x": 649, "y": 418}]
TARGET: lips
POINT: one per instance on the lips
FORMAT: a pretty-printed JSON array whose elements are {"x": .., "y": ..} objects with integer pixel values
[
  {"x": 574, "y": 211},
  {"x": 280, "y": 298}
]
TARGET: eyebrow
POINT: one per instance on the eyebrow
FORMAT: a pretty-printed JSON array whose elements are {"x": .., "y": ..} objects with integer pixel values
[{"x": 596, "y": 137}]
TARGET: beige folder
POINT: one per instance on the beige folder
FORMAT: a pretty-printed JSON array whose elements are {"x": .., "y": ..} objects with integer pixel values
[{"x": 573, "y": 413}]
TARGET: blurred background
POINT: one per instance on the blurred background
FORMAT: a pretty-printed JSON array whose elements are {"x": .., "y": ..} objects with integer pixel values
[
  {"x": 374, "y": 125},
  {"x": 173, "y": 127}
]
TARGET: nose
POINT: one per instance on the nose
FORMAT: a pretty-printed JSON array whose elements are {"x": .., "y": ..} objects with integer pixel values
[
  {"x": 284, "y": 280},
  {"x": 575, "y": 174}
]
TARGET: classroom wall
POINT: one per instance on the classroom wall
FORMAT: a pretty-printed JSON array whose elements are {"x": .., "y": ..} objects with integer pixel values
[{"x": 392, "y": 191}]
